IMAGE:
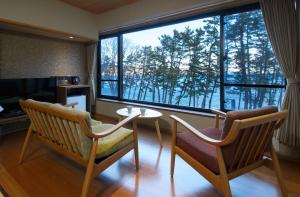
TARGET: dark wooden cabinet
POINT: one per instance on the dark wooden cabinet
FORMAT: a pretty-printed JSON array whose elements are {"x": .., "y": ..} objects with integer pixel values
[
  {"x": 63, "y": 92},
  {"x": 13, "y": 124}
]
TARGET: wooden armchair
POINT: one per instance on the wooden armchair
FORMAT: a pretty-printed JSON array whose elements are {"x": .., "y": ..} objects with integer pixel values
[
  {"x": 223, "y": 154},
  {"x": 74, "y": 134}
]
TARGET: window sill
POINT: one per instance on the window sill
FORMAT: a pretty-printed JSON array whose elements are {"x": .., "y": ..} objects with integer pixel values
[{"x": 204, "y": 114}]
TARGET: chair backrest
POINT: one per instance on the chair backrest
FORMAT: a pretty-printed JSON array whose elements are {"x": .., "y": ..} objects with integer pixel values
[
  {"x": 60, "y": 126},
  {"x": 231, "y": 116},
  {"x": 251, "y": 138}
]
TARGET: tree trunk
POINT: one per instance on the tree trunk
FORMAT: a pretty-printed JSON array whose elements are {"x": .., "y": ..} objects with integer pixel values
[
  {"x": 208, "y": 75},
  {"x": 212, "y": 93}
]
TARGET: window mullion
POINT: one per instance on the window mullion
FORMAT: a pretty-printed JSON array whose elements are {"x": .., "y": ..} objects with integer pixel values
[
  {"x": 99, "y": 91},
  {"x": 120, "y": 66},
  {"x": 222, "y": 44},
  {"x": 254, "y": 85}
]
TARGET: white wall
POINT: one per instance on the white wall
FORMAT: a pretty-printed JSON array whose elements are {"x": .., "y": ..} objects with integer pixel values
[
  {"x": 59, "y": 16},
  {"x": 109, "y": 108},
  {"x": 50, "y": 14},
  {"x": 146, "y": 9}
]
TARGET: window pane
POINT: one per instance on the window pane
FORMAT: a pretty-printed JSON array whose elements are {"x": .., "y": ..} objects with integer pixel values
[
  {"x": 109, "y": 58},
  {"x": 237, "y": 98},
  {"x": 109, "y": 88},
  {"x": 249, "y": 55},
  {"x": 175, "y": 64}
]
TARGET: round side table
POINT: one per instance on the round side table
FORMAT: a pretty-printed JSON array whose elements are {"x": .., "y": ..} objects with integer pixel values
[{"x": 149, "y": 114}]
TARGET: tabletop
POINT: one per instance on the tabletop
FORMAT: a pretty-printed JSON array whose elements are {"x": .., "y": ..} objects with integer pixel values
[{"x": 149, "y": 113}]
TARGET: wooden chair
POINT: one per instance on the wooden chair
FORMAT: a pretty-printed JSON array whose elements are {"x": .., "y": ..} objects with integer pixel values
[
  {"x": 244, "y": 144},
  {"x": 74, "y": 134}
]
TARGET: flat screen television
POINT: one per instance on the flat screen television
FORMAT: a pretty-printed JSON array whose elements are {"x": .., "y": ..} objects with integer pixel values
[{"x": 12, "y": 90}]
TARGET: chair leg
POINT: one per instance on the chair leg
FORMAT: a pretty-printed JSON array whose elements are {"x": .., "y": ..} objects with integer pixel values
[
  {"x": 136, "y": 157},
  {"x": 277, "y": 170},
  {"x": 223, "y": 174},
  {"x": 136, "y": 145},
  {"x": 172, "y": 161},
  {"x": 174, "y": 131},
  {"x": 25, "y": 145},
  {"x": 89, "y": 170},
  {"x": 158, "y": 132},
  {"x": 226, "y": 188}
]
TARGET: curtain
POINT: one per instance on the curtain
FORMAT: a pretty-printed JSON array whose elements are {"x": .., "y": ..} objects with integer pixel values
[
  {"x": 298, "y": 16},
  {"x": 91, "y": 64},
  {"x": 282, "y": 24}
]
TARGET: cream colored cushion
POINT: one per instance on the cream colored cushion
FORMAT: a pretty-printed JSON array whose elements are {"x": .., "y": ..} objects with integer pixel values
[
  {"x": 95, "y": 122},
  {"x": 113, "y": 142},
  {"x": 38, "y": 102},
  {"x": 84, "y": 114}
]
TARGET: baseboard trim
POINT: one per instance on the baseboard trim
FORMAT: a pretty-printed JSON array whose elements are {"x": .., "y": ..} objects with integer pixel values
[{"x": 287, "y": 158}]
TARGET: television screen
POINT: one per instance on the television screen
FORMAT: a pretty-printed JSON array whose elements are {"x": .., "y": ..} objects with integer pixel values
[{"x": 12, "y": 90}]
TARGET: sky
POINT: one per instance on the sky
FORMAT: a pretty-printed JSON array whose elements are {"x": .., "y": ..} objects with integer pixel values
[{"x": 150, "y": 37}]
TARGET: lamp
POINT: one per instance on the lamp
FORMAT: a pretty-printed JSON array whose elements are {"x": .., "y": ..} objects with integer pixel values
[{"x": 1, "y": 108}]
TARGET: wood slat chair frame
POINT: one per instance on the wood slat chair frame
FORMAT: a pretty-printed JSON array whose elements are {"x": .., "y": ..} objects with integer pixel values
[
  {"x": 46, "y": 132},
  {"x": 246, "y": 158}
]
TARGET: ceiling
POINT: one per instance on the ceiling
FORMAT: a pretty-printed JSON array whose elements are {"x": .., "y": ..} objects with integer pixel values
[
  {"x": 99, "y": 6},
  {"x": 18, "y": 27}
]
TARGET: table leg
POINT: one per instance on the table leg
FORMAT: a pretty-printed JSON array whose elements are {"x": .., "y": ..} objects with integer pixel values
[
  {"x": 158, "y": 132},
  {"x": 120, "y": 118},
  {"x": 136, "y": 145}
]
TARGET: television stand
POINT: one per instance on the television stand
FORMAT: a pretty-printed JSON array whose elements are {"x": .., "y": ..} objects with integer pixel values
[
  {"x": 12, "y": 113},
  {"x": 13, "y": 124},
  {"x": 63, "y": 92},
  {"x": 12, "y": 119}
]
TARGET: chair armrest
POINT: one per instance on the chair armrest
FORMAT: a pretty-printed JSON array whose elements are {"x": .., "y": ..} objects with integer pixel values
[
  {"x": 71, "y": 104},
  {"x": 114, "y": 128},
  {"x": 197, "y": 133},
  {"x": 217, "y": 119},
  {"x": 218, "y": 112}
]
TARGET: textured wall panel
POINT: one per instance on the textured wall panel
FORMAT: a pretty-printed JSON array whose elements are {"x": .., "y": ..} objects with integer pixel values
[{"x": 26, "y": 56}]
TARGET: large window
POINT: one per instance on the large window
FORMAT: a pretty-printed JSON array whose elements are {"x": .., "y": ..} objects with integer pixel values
[{"x": 222, "y": 61}]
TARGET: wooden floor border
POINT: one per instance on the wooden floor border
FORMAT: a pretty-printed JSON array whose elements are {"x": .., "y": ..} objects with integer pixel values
[{"x": 10, "y": 185}]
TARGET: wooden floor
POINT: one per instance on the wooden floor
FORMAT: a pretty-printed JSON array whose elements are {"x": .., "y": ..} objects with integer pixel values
[{"x": 45, "y": 173}]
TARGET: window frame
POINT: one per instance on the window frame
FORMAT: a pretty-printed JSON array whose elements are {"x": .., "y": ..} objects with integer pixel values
[
  {"x": 99, "y": 77},
  {"x": 223, "y": 84}
]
